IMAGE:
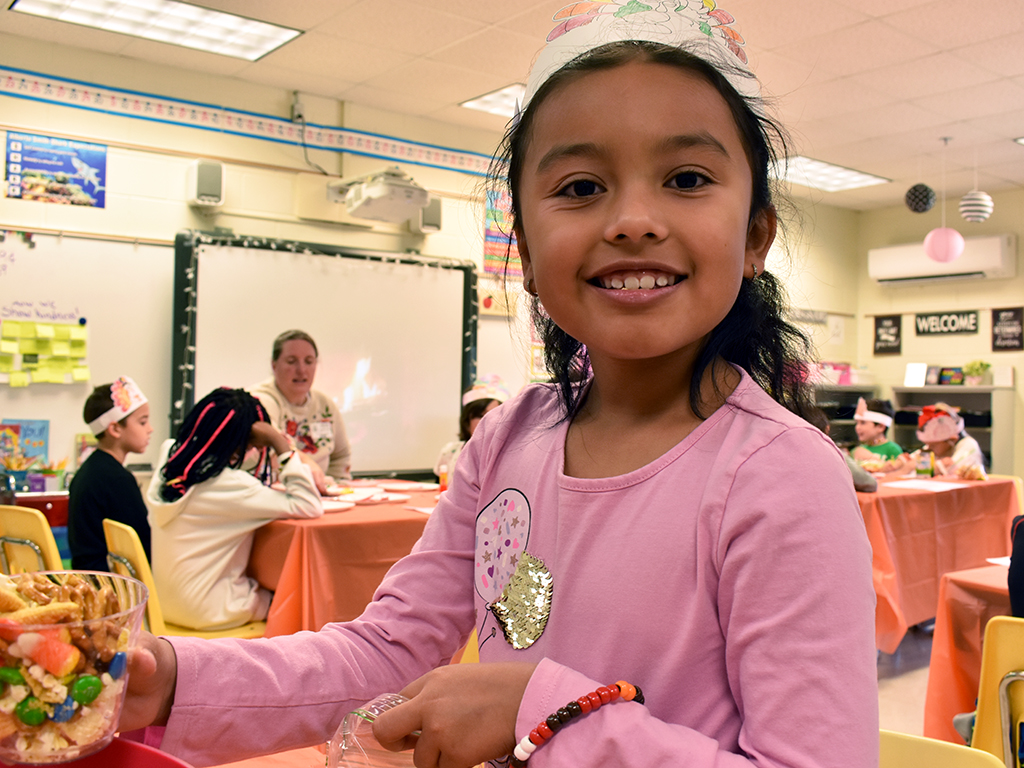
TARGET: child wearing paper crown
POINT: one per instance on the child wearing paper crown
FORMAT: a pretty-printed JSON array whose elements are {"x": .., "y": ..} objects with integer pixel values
[
  {"x": 941, "y": 430},
  {"x": 118, "y": 415},
  {"x": 873, "y": 419},
  {"x": 659, "y": 514},
  {"x": 482, "y": 398}
]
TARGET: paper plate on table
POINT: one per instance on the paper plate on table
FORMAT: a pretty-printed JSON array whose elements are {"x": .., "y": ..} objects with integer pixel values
[
  {"x": 384, "y": 498},
  {"x": 333, "y": 505},
  {"x": 407, "y": 486},
  {"x": 355, "y": 495}
]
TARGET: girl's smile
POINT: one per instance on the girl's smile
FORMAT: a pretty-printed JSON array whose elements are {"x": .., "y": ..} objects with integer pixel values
[{"x": 635, "y": 208}]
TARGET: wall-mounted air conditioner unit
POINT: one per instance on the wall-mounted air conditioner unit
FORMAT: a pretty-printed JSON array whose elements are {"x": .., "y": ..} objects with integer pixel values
[{"x": 983, "y": 257}]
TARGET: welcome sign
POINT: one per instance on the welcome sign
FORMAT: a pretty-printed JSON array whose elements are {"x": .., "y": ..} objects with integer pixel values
[{"x": 940, "y": 323}]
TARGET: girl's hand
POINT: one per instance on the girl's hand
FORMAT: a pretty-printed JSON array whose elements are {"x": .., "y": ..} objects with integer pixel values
[
  {"x": 152, "y": 675},
  {"x": 466, "y": 715},
  {"x": 263, "y": 435},
  {"x": 319, "y": 478}
]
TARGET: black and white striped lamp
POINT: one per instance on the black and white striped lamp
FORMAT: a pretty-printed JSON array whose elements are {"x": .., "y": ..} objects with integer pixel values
[{"x": 976, "y": 206}]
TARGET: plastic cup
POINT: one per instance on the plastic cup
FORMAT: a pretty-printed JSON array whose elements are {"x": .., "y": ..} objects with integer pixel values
[
  {"x": 64, "y": 673},
  {"x": 353, "y": 744}
]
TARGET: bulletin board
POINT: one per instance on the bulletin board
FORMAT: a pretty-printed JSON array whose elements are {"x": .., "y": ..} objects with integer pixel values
[
  {"x": 119, "y": 293},
  {"x": 396, "y": 336}
]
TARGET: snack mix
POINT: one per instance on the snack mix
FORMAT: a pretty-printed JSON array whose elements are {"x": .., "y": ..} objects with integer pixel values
[{"x": 64, "y": 643}]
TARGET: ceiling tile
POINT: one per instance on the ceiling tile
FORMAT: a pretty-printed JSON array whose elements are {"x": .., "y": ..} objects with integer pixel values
[
  {"x": 294, "y": 80},
  {"x": 763, "y": 26},
  {"x": 922, "y": 77},
  {"x": 330, "y": 56},
  {"x": 399, "y": 25},
  {"x": 952, "y": 24},
  {"x": 186, "y": 58},
  {"x": 1000, "y": 56},
  {"x": 831, "y": 99},
  {"x": 489, "y": 11},
  {"x": 296, "y": 15},
  {"x": 393, "y": 101},
  {"x": 506, "y": 54},
  {"x": 990, "y": 98},
  {"x": 881, "y": 7},
  {"x": 437, "y": 80},
  {"x": 862, "y": 47}
]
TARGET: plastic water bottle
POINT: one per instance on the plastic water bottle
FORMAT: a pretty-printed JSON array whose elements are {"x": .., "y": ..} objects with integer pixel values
[{"x": 443, "y": 477}]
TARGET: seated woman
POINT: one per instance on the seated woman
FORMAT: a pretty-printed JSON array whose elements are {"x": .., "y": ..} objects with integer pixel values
[
  {"x": 309, "y": 417},
  {"x": 484, "y": 396},
  {"x": 204, "y": 510},
  {"x": 941, "y": 430}
]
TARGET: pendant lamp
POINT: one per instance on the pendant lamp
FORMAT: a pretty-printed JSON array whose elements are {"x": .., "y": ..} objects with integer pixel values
[{"x": 945, "y": 243}]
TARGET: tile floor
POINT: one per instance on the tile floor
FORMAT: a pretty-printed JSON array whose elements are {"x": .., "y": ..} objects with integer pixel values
[{"x": 902, "y": 681}]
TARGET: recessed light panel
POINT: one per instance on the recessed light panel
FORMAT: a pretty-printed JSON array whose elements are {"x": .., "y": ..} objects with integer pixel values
[
  {"x": 501, "y": 102},
  {"x": 825, "y": 176},
  {"x": 168, "y": 21}
]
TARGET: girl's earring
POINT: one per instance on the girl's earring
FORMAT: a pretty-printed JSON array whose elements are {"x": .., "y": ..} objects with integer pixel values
[
  {"x": 754, "y": 267},
  {"x": 529, "y": 287}
]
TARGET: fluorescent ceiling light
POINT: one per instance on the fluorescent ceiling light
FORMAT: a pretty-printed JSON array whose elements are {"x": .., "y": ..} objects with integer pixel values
[
  {"x": 501, "y": 102},
  {"x": 825, "y": 176},
  {"x": 168, "y": 21}
]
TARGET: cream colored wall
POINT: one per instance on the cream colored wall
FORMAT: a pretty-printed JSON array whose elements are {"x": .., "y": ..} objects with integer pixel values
[
  {"x": 815, "y": 256},
  {"x": 896, "y": 226}
]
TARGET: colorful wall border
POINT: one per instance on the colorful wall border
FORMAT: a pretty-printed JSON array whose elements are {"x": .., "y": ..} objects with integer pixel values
[{"x": 34, "y": 86}]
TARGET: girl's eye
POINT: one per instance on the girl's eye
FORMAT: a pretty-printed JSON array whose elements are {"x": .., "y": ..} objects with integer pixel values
[
  {"x": 688, "y": 180},
  {"x": 580, "y": 188}
]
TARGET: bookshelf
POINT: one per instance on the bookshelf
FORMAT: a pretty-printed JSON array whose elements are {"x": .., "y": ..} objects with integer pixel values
[{"x": 839, "y": 401}]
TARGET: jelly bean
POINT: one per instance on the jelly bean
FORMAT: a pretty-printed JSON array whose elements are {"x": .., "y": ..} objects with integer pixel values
[
  {"x": 118, "y": 665},
  {"x": 30, "y": 711},
  {"x": 62, "y": 712},
  {"x": 86, "y": 688},
  {"x": 11, "y": 675}
]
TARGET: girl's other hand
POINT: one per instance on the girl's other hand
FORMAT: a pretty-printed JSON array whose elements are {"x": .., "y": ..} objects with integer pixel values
[
  {"x": 263, "y": 435},
  {"x": 319, "y": 478},
  {"x": 466, "y": 714},
  {"x": 152, "y": 675}
]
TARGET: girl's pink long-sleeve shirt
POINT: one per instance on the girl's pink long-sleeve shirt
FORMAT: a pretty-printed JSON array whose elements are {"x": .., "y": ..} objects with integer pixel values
[{"x": 730, "y": 579}]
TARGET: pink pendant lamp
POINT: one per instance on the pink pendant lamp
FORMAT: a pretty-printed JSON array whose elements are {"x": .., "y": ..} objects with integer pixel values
[{"x": 945, "y": 243}]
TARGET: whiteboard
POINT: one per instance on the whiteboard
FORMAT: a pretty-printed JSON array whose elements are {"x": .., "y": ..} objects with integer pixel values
[
  {"x": 392, "y": 336},
  {"x": 123, "y": 292}
]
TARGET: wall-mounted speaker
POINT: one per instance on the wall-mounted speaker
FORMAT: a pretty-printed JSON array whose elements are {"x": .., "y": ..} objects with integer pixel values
[
  {"x": 206, "y": 184},
  {"x": 429, "y": 218}
]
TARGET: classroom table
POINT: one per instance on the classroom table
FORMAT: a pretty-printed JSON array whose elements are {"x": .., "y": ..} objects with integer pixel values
[
  {"x": 967, "y": 600},
  {"x": 918, "y": 535},
  {"x": 307, "y": 757},
  {"x": 327, "y": 569}
]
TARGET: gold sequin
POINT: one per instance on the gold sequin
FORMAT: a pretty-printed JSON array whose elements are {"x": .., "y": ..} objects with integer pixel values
[{"x": 523, "y": 608}]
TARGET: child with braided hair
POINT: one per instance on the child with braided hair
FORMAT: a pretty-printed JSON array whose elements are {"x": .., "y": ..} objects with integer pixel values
[{"x": 204, "y": 509}]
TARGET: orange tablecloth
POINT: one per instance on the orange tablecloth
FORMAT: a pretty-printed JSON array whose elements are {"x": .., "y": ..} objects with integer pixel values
[
  {"x": 307, "y": 757},
  {"x": 327, "y": 569},
  {"x": 916, "y": 536},
  {"x": 967, "y": 600}
]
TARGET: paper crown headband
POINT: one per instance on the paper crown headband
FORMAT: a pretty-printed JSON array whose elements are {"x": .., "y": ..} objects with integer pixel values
[
  {"x": 486, "y": 389},
  {"x": 127, "y": 398},
  {"x": 697, "y": 26},
  {"x": 939, "y": 422},
  {"x": 863, "y": 414}
]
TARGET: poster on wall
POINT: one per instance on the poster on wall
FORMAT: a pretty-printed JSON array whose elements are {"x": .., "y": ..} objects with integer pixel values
[
  {"x": 497, "y": 233},
  {"x": 888, "y": 334},
  {"x": 1008, "y": 329},
  {"x": 48, "y": 169},
  {"x": 943, "y": 323}
]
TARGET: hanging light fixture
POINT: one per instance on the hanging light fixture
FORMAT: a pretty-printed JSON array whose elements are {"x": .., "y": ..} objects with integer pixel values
[
  {"x": 945, "y": 243},
  {"x": 976, "y": 206}
]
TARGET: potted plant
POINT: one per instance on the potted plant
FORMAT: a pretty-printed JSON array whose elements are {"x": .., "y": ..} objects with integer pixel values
[{"x": 974, "y": 372}]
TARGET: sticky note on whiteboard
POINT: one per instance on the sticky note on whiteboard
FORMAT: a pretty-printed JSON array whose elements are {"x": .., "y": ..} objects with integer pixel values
[
  {"x": 18, "y": 379},
  {"x": 10, "y": 329},
  {"x": 80, "y": 374},
  {"x": 44, "y": 331}
]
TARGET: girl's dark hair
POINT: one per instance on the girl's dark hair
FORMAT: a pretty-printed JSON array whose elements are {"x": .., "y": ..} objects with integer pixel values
[
  {"x": 98, "y": 403},
  {"x": 214, "y": 435},
  {"x": 292, "y": 335},
  {"x": 755, "y": 334},
  {"x": 470, "y": 411}
]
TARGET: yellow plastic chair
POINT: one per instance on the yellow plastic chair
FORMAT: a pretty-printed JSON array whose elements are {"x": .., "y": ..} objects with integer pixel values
[
  {"x": 901, "y": 750},
  {"x": 126, "y": 556},
  {"x": 1018, "y": 484},
  {"x": 26, "y": 541},
  {"x": 1000, "y": 702}
]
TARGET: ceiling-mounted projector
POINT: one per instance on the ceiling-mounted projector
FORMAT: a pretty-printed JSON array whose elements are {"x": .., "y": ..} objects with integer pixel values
[{"x": 389, "y": 195}]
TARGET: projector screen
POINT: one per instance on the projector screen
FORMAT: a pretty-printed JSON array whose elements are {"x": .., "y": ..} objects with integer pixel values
[{"x": 396, "y": 338}]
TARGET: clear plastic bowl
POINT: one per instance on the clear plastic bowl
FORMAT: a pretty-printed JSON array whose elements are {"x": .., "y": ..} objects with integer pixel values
[{"x": 64, "y": 668}]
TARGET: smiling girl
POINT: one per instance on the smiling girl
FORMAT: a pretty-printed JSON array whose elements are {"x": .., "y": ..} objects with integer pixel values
[{"x": 658, "y": 515}]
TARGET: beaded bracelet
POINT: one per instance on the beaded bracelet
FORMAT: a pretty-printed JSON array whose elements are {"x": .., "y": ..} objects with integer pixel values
[{"x": 581, "y": 706}]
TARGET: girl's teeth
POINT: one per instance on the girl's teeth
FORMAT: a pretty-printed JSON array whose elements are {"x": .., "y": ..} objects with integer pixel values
[
  {"x": 662, "y": 281},
  {"x": 631, "y": 283},
  {"x": 647, "y": 282},
  {"x": 634, "y": 282},
  {"x": 616, "y": 283}
]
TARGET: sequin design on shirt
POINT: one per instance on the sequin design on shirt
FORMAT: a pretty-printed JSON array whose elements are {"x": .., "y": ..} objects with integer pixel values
[{"x": 515, "y": 585}]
